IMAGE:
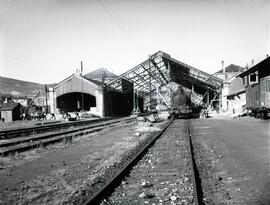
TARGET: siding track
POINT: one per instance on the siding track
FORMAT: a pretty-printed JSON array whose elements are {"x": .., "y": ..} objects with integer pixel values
[
  {"x": 161, "y": 172},
  {"x": 17, "y": 144}
]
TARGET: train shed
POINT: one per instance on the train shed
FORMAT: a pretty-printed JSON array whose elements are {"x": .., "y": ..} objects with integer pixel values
[
  {"x": 137, "y": 86},
  {"x": 159, "y": 70},
  {"x": 76, "y": 93}
]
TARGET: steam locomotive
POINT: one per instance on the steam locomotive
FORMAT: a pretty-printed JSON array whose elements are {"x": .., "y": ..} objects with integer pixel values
[{"x": 182, "y": 105}]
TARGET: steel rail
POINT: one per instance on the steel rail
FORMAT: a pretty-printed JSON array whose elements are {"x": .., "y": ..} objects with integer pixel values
[
  {"x": 24, "y": 143},
  {"x": 193, "y": 166},
  {"x": 39, "y": 128},
  {"x": 106, "y": 189}
]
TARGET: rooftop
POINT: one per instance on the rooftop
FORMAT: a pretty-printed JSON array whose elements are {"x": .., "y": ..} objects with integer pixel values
[
  {"x": 9, "y": 106},
  {"x": 262, "y": 66},
  {"x": 99, "y": 73},
  {"x": 155, "y": 71},
  {"x": 232, "y": 68}
]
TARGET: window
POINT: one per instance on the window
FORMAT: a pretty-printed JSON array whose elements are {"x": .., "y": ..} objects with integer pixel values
[{"x": 253, "y": 78}]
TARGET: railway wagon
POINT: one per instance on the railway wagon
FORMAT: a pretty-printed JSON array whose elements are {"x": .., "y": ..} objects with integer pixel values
[
  {"x": 258, "y": 98},
  {"x": 257, "y": 83},
  {"x": 265, "y": 92}
]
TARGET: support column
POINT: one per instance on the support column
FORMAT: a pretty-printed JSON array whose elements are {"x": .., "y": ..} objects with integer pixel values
[
  {"x": 100, "y": 101},
  {"x": 225, "y": 91},
  {"x": 52, "y": 100},
  {"x": 207, "y": 96}
]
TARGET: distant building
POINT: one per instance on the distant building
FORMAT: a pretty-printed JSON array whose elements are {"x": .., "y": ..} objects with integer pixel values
[
  {"x": 233, "y": 93},
  {"x": 228, "y": 71},
  {"x": 76, "y": 93},
  {"x": 101, "y": 75},
  {"x": 11, "y": 111},
  {"x": 231, "y": 85}
]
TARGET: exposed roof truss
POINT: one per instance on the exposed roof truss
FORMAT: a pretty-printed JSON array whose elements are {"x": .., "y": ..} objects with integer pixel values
[{"x": 155, "y": 72}]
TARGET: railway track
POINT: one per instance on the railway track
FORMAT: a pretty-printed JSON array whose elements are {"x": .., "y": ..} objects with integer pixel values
[
  {"x": 169, "y": 163},
  {"x": 49, "y": 135},
  {"x": 41, "y": 127}
]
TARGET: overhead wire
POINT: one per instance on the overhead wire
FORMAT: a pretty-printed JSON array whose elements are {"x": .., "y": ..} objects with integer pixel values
[{"x": 111, "y": 14}]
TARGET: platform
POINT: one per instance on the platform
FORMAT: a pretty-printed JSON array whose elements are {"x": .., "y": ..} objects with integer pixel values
[{"x": 234, "y": 155}]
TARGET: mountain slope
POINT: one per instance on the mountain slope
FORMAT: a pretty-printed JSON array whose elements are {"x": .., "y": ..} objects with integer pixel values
[{"x": 19, "y": 87}]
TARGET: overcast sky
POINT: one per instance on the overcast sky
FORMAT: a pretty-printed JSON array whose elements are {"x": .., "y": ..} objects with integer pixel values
[{"x": 44, "y": 40}]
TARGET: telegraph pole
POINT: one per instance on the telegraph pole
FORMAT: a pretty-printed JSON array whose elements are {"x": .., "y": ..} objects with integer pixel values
[
  {"x": 82, "y": 84},
  {"x": 150, "y": 95}
]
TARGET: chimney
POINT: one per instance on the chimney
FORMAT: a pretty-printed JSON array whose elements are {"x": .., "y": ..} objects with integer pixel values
[
  {"x": 252, "y": 61},
  {"x": 223, "y": 70}
]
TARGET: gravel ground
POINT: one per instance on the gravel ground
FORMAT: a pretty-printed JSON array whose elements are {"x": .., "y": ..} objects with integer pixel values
[
  {"x": 163, "y": 176},
  {"x": 232, "y": 156},
  {"x": 64, "y": 173}
]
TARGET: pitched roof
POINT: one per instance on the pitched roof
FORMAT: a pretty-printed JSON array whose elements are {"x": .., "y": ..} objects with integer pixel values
[
  {"x": 263, "y": 65},
  {"x": 99, "y": 73},
  {"x": 9, "y": 106},
  {"x": 232, "y": 68},
  {"x": 76, "y": 75}
]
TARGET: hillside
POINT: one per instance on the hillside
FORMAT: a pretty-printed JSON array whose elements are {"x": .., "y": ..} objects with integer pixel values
[{"x": 19, "y": 87}]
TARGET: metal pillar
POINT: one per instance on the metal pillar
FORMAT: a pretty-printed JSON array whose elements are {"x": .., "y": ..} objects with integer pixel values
[{"x": 208, "y": 100}]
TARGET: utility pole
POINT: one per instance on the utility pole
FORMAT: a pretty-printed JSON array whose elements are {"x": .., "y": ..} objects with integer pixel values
[
  {"x": 82, "y": 84},
  {"x": 150, "y": 97}
]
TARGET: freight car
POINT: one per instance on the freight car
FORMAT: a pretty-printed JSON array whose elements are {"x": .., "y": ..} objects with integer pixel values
[
  {"x": 258, "y": 98},
  {"x": 257, "y": 84}
]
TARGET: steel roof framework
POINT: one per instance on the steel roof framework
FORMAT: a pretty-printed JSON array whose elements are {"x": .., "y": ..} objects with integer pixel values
[{"x": 154, "y": 72}]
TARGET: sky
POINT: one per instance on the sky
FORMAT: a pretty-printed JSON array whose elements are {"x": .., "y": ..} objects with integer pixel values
[{"x": 44, "y": 41}]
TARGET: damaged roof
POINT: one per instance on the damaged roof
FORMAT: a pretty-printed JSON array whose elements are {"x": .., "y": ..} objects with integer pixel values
[{"x": 160, "y": 69}]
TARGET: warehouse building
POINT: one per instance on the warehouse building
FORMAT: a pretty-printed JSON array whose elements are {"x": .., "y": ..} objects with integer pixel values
[{"x": 77, "y": 93}]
